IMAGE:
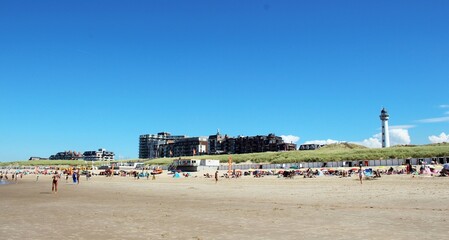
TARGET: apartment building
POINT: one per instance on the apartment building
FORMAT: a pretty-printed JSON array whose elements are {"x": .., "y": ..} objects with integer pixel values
[
  {"x": 67, "y": 155},
  {"x": 152, "y": 145},
  {"x": 165, "y": 145},
  {"x": 310, "y": 146},
  {"x": 216, "y": 143},
  {"x": 189, "y": 146},
  {"x": 100, "y": 155}
]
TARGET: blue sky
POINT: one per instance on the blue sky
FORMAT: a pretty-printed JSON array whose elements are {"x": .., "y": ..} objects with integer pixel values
[{"x": 80, "y": 75}]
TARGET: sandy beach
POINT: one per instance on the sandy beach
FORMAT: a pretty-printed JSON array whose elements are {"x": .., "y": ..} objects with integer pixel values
[{"x": 392, "y": 207}]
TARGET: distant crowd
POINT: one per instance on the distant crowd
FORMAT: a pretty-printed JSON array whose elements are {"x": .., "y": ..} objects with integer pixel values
[{"x": 12, "y": 175}]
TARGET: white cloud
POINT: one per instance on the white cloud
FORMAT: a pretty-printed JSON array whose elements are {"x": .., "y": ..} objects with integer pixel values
[
  {"x": 434, "y": 120},
  {"x": 290, "y": 138},
  {"x": 443, "y": 137},
  {"x": 402, "y": 127},
  {"x": 371, "y": 143},
  {"x": 398, "y": 136},
  {"x": 328, "y": 141},
  {"x": 437, "y": 119}
]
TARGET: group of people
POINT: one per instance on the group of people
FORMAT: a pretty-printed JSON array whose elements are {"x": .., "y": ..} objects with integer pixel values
[
  {"x": 445, "y": 171},
  {"x": 14, "y": 176},
  {"x": 309, "y": 173},
  {"x": 75, "y": 174},
  {"x": 138, "y": 175},
  {"x": 208, "y": 175}
]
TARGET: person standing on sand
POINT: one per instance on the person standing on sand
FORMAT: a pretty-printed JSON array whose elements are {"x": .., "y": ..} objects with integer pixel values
[
  {"x": 216, "y": 176},
  {"x": 360, "y": 174},
  {"x": 78, "y": 177},
  {"x": 54, "y": 184},
  {"x": 74, "y": 177}
]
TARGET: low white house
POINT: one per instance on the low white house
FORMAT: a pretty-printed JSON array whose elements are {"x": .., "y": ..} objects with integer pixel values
[{"x": 195, "y": 165}]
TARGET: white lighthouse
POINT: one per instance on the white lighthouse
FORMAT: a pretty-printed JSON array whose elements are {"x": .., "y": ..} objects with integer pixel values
[{"x": 385, "y": 133}]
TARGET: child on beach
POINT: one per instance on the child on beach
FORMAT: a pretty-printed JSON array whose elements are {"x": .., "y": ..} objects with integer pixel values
[{"x": 360, "y": 174}]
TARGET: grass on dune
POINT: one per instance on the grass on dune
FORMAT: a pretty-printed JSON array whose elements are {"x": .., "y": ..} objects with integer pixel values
[{"x": 329, "y": 153}]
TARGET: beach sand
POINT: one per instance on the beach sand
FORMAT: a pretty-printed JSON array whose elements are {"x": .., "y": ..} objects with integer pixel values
[{"x": 392, "y": 207}]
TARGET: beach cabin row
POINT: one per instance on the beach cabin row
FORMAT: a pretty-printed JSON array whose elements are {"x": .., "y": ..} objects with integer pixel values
[{"x": 364, "y": 163}]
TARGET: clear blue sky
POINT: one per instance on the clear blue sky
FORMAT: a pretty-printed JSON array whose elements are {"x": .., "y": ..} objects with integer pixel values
[{"x": 80, "y": 75}]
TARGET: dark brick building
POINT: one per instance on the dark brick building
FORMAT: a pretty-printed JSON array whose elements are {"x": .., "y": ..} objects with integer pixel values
[{"x": 249, "y": 144}]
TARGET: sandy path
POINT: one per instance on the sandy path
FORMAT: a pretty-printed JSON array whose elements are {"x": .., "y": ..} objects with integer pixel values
[{"x": 393, "y": 207}]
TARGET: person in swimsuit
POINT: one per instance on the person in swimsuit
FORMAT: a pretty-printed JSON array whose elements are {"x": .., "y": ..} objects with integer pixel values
[
  {"x": 54, "y": 185},
  {"x": 360, "y": 174}
]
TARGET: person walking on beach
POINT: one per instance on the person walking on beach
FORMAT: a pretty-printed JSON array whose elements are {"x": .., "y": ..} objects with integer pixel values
[
  {"x": 78, "y": 177},
  {"x": 360, "y": 174},
  {"x": 216, "y": 176},
  {"x": 74, "y": 177},
  {"x": 54, "y": 184}
]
